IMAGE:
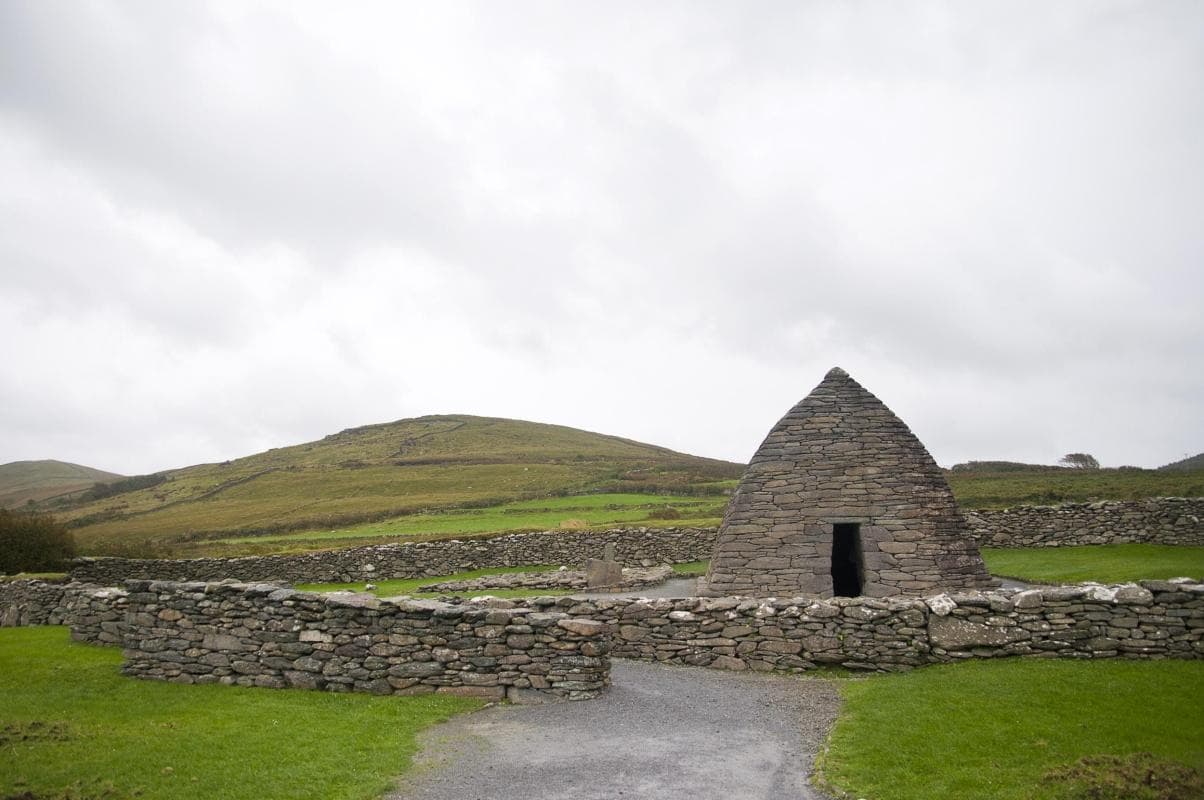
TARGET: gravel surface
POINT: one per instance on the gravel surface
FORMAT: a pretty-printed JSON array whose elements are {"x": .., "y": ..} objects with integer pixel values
[
  {"x": 674, "y": 587},
  {"x": 671, "y": 733}
]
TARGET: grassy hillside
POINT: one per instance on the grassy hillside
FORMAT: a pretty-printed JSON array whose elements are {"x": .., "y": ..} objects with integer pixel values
[
  {"x": 593, "y": 512},
  {"x": 1195, "y": 462},
  {"x": 1000, "y": 489},
  {"x": 39, "y": 481},
  {"x": 462, "y": 475},
  {"x": 381, "y": 471}
]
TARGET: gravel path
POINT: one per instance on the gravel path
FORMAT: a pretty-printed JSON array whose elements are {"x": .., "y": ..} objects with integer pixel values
[
  {"x": 674, "y": 587},
  {"x": 672, "y": 733}
]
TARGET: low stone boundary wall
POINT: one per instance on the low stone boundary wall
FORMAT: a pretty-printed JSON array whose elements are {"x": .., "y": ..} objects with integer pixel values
[
  {"x": 265, "y": 635},
  {"x": 633, "y": 578},
  {"x": 1167, "y": 520},
  {"x": 633, "y": 547},
  {"x": 95, "y": 614},
  {"x": 1162, "y": 520},
  {"x": 1153, "y": 619},
  {"x": 32, "y": 602}
]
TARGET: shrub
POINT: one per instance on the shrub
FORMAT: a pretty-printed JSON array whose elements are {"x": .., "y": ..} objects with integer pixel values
[
  {"x": 31, "y": 542},
  {"x": 99, "y": 491}
]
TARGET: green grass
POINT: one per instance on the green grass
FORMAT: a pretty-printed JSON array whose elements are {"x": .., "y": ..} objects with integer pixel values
[
  {"x": 400, "y": 586},
  {"x": 49, "y": 577},
  {"x": 441, "y": 476},
  {"x": 592, "y": 511},
  {"x": 991, "y": 729},
  {"x": 104, "y": 732},
  {"x": 692, "y": 568},
  {"x": 1106, "y": 563},
  {"x": 1054, "y": 486}
]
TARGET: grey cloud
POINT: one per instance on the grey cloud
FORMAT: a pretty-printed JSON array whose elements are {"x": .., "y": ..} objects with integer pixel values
[
  {"x": 289, "y": 142},
  {"x": 996, "y": 201}
]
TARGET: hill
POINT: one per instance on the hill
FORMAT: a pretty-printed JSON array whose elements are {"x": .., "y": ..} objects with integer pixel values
[
  {"x": 380, "y": 471},
  {"x": 1191, "y": 463},
  {"x": 1052, "y": 485},
  {"x": 39, "y": 481},
  {"x": 1000, "y": 466}
]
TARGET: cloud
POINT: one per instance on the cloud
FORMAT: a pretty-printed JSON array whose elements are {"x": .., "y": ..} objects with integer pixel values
[{"x": 227, "y": 226}]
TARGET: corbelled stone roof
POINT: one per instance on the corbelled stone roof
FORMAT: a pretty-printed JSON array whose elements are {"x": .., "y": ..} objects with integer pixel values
[{"x": 842, "y": 457}]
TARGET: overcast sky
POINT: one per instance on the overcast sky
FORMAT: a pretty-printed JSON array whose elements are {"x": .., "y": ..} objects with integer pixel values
[{"x": 231, "y": 226}]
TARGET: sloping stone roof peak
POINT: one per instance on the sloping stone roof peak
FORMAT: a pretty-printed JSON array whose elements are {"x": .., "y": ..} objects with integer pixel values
[{"x": 841, "y": 457}]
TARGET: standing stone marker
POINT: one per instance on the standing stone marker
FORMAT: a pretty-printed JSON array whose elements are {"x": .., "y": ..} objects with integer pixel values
[
  {"x": 605, "y": 571},
  {"x": 842, "y": 499}
]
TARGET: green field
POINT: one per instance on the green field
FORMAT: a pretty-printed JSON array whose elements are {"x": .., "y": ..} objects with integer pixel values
[
  {"x": 583, "y": 511},
  {"x": 1054, "y": 486},
  {"x": 460, "y": 475},
  {"x": 72, "y": 727},
  {"x": 384, "y": 472},
  {"x": 1107, "y": 563},
  {"x": 409, "y": 586},
  {"x": 993, "y": 729}
]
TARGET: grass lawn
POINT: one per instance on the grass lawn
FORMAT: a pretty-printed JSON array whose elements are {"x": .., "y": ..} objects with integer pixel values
[
  {"x": 989, "y": 489},
  {"x": 1106, "y": 563},
  {"x": 992, "y": 729},
  {"x": 49, "y": 577},
  {"x": 592, "y": 511},
  {"x": 398, "y": 586},
  {"x": 692, "y": 568},
  {"x": 68, "y": 718}
]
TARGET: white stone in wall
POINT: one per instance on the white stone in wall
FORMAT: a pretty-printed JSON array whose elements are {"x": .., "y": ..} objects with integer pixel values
[{"x": 940, "y": 604}]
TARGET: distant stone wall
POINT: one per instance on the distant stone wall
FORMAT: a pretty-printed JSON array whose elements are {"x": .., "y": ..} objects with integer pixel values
[
  {"x": 1166, "y": 520},
  {"x": 1161, "y": 520},
  {"x": 1155, "y": 619},
  {"x": 569, "y": 580},
  {"x": 633, "y": 547},
  {"x": 95, "y": 614},
  {"x": 265, "y": 635}
]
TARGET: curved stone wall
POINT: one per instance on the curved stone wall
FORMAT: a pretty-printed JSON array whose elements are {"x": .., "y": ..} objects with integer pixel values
[
  {"x": 1161, "y": 520},
  {"x": 96, "y": 614},
  {"x": 266, "y": 635},
  {"x": 1152, "y": 619}
]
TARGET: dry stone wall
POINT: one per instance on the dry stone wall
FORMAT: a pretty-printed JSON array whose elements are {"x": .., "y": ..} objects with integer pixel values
[
  {"x": 96, "y": 614},
  {"x": 1162, "y": 520},
  {"x": 633, "y": 547},
  {"x": 266, "y": 635},
  {"x": 1153, "y": 619}
]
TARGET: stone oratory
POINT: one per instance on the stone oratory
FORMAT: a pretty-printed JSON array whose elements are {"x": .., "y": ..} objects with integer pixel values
[{"x": 842, "y": 499}]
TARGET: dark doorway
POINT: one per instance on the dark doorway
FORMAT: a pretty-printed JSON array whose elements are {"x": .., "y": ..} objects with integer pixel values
[{"x": 847, "y": 570}]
